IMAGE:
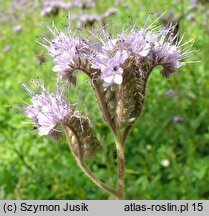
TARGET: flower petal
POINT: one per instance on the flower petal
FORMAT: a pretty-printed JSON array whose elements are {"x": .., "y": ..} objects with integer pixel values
[
  {"x": 56, "y": 68},
  {"x": 109, "y": 79},
  {"x": 118, "y": 79}
]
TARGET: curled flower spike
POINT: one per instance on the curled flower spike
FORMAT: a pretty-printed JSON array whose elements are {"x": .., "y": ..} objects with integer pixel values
[
  {"x": 52, "y": 7},
  {"x": 167, "y": 52},
  {"x": 67, "y": 53},
  {"x": 169, "y": 57},
  {"x": 47, "y": 111},
  {"x": 118, "y": 66},
  {"x": 107, "y": 54},
  {"x": 84, "y": 3}
]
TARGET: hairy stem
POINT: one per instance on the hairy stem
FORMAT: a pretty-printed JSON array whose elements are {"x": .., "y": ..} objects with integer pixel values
[
  {"x": 103, "y": 106},
  {"x": 83, "y": 167},
  {"x": 121, "y": 166}
]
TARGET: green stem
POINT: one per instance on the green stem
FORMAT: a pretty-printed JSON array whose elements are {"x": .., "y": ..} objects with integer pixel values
[
  {"x": 103, "y": 106},
  {"x": 83, "y": 167},
  {"x": 121, "y": 166},
  {"x": 95, "y": 180}
]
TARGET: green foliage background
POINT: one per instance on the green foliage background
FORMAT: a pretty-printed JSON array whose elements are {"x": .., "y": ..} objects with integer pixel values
[{"x": 33, "y": 167}]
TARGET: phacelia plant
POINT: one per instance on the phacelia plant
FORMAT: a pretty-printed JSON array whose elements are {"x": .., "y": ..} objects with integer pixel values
[{"x": 118, "y": 67}]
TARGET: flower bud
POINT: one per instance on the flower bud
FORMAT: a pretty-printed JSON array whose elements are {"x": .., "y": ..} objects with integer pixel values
[{"x": 84, "y": 142}]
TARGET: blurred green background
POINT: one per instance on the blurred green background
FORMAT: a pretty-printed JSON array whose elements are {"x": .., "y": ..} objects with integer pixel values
[{"x": 167, "y": 152}]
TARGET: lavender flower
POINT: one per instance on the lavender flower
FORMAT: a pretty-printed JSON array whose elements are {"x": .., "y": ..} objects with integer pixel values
[
  {"x": 169, "y": 56},
  {"x": 177, "y": 119},
  {"x": 118, "y": 68},
  {"x": 107, "y": 55},
  {"x": 191, "y": 17},
  {"x": 7, "y": 48},
  {"x": 111, "y": 67},
  {"x": 67, "y": 53},
  {"x": 88, "y": 20},
  {"x": 16, "y": 29},
  {"x": 169, "y": 93},
  {"x": 126, "y": 59},
  {"x": 138, "y": 43},
  {"x": 109, "y": 12},
  {"x": 53, "y": 7},
  {"x": 47, "y": 110},
  {"x": 84, "y": 4}
]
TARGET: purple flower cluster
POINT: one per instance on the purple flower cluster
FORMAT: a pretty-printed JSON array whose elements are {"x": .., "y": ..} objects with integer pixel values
[
  {"x": 84, "y": 3},
  {"x": 169, "y": 93},
  {"x": 53, "y": 6},
  {"x": 7, "y": 48},
  {"x": 109, "y": 56},
  {"x": 169, "y": 56},
  {"x": 88, "y": 20},
  {"x": 138, "y": 43},
  {"x": 110, "y": 66},
  {"x": 47, "y": 110},
  {"x": 66, "y": 52},
  {"x": 17, "y": 29}
]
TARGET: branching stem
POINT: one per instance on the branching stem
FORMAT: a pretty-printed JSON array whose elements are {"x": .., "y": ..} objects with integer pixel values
[
  {"x": 82, "y": 165},
  {"x": 103, "y": 106}
]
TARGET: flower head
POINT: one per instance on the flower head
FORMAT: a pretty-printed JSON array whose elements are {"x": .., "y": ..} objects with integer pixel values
[
  {"x": 47, "y": 110},
  {"x": 108, "y": 56},
  {"x": 53, "y": 6},
  {"x": 84, "y": 3},
  {"x": 110, "y": 66},
  {"x": 169, "y": 93},
  {"x": 167, "y": 52},
  {"x": 177, "y": 119},
  {"x": 66, "y": 52},
  {"x": 16, "y": 29},
  {"x": 169, "y": 56},
  {"x": 6, "y": 48},
  {"x": 138, "y": 43}
]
